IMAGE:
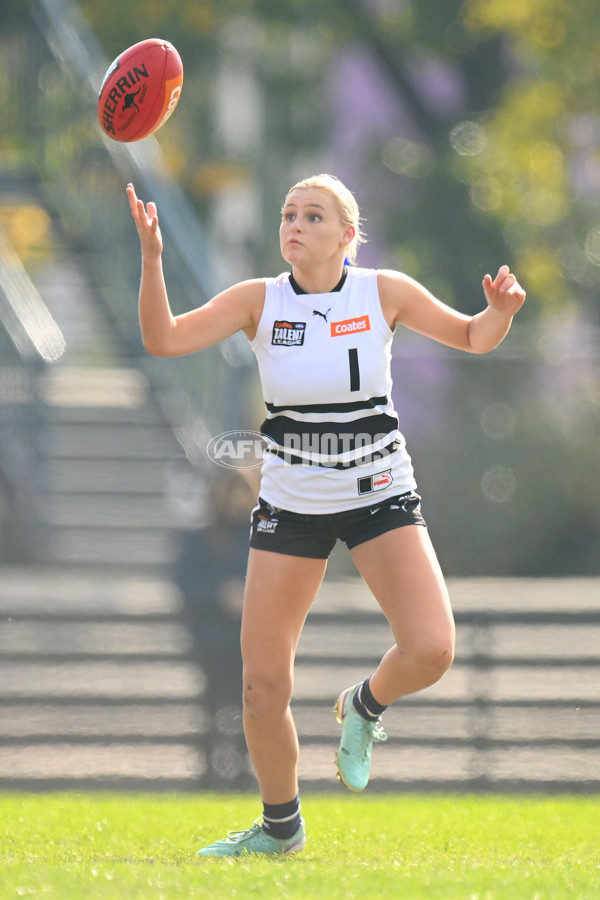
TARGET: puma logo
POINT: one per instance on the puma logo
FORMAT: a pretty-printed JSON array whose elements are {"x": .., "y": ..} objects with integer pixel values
[{"x": 323, "y": 315}]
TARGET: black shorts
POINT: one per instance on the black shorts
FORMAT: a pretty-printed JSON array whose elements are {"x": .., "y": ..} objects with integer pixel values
[{"x": 298, "y": 534}]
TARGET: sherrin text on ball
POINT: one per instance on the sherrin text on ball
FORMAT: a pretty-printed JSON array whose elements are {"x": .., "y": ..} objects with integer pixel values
[{"x": 140, "y": 90}]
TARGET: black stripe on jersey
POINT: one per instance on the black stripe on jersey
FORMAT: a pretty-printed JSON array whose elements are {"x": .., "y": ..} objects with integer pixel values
[
  {"x": 375, "y": 456},
  {"x": 285, "y": 431},
  {"x": 353, "y": 406}
]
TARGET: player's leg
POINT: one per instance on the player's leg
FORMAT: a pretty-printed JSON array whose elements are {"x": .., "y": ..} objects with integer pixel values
[
  {"x": 280, "y": 590},
  {"x": 401, "y": 568}
]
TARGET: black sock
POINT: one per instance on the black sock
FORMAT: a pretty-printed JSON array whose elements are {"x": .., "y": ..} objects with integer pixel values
[
  {"x": 282, "y": 820},
  {"x": 365, "y": 703}
]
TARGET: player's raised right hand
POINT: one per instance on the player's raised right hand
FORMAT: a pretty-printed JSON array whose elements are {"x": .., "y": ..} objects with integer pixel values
[{"x": 146, "y": 222}]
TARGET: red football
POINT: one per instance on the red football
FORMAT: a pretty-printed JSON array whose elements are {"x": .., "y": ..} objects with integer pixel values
[{"x": 140, "y": 90}]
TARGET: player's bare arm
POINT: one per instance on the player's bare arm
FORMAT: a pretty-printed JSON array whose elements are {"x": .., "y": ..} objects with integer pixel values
[
  {"x": 404, "y": 301},
  {"x": 236, "y": 309}
]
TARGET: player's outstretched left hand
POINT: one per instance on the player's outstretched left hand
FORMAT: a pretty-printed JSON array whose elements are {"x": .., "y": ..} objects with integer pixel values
[{"x": 504, "y": 293}]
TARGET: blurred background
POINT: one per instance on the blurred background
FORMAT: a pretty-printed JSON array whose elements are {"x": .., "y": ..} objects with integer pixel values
[{"x": 469, "y": 132}]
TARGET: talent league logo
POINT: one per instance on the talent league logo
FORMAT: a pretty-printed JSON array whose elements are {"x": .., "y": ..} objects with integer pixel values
[
  {"x": 267, "y": 525},
  {"x": 288, "y": 334},
  {"x": 238, "y": 449}
]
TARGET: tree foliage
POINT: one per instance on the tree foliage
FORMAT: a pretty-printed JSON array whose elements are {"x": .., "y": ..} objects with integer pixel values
[
  {"x": 538, "y": 172},
  {"x": 508, "y": 168}
]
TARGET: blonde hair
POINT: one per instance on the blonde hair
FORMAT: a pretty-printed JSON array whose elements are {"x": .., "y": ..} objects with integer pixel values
[{"x": 345, "y": 202}]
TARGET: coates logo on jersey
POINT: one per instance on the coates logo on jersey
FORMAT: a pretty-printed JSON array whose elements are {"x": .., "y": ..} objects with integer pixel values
[
  {"x": 288, "y": 334},
  {"x": 350, "y": 326}
]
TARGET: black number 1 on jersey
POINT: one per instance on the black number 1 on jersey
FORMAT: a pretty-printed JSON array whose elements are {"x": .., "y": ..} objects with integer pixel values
[{"x": 354, "y": 370}]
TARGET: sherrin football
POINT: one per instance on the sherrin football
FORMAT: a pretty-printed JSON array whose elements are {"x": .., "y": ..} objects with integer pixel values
[{"x": 140, "y": 90}]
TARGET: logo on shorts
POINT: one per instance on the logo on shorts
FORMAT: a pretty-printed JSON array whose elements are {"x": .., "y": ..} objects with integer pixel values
[
  {"x": 372, "y": 483},
  {"x": 350, "y": 326},
  {"x": 288, "y": 334},
  {"x": 267, "y": 525}
]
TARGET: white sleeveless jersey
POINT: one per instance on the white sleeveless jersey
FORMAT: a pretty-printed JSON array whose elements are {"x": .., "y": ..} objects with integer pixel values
[{"x": 324, "y": 364}]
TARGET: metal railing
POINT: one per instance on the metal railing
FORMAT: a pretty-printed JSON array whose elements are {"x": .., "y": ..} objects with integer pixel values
[
  {"x": 85, "y": 174},
  {"x": 30, "y": 340}
]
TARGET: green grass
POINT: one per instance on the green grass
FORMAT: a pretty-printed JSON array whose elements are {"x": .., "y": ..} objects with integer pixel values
[{"x": 90, "y": 846}]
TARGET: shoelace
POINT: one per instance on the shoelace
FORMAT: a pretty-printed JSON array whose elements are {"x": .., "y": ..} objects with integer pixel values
[
  {"x": 373, "y": 732},
  {"x": 378, "y": 732},
  {"x": 237, "y": 836}
]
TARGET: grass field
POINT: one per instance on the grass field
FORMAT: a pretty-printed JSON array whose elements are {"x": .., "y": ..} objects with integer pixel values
[{"x": 89, "y": 846}]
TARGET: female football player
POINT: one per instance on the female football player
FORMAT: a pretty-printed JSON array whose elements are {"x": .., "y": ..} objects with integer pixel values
[{"x": 336, "y": 467}]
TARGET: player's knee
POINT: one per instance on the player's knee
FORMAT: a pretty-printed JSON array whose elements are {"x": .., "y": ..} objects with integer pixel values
[
  {"x": 266, "y": 693},
  {"x": 433, "y": 656}
]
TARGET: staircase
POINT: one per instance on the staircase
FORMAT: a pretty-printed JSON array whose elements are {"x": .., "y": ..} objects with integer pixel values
[
  {"x": 97, "y": 682},
  {"x": 105, "y": 460},
  {"x": 96, "y": 687}
]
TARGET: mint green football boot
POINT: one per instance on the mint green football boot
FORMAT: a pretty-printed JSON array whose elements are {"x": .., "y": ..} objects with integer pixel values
[
  {"x": 256, "y": 841},
  {"x": 353, "y": 757}
]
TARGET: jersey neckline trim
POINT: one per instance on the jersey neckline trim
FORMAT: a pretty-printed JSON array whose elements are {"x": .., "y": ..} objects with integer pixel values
[{"x": 299, "y": 290}]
